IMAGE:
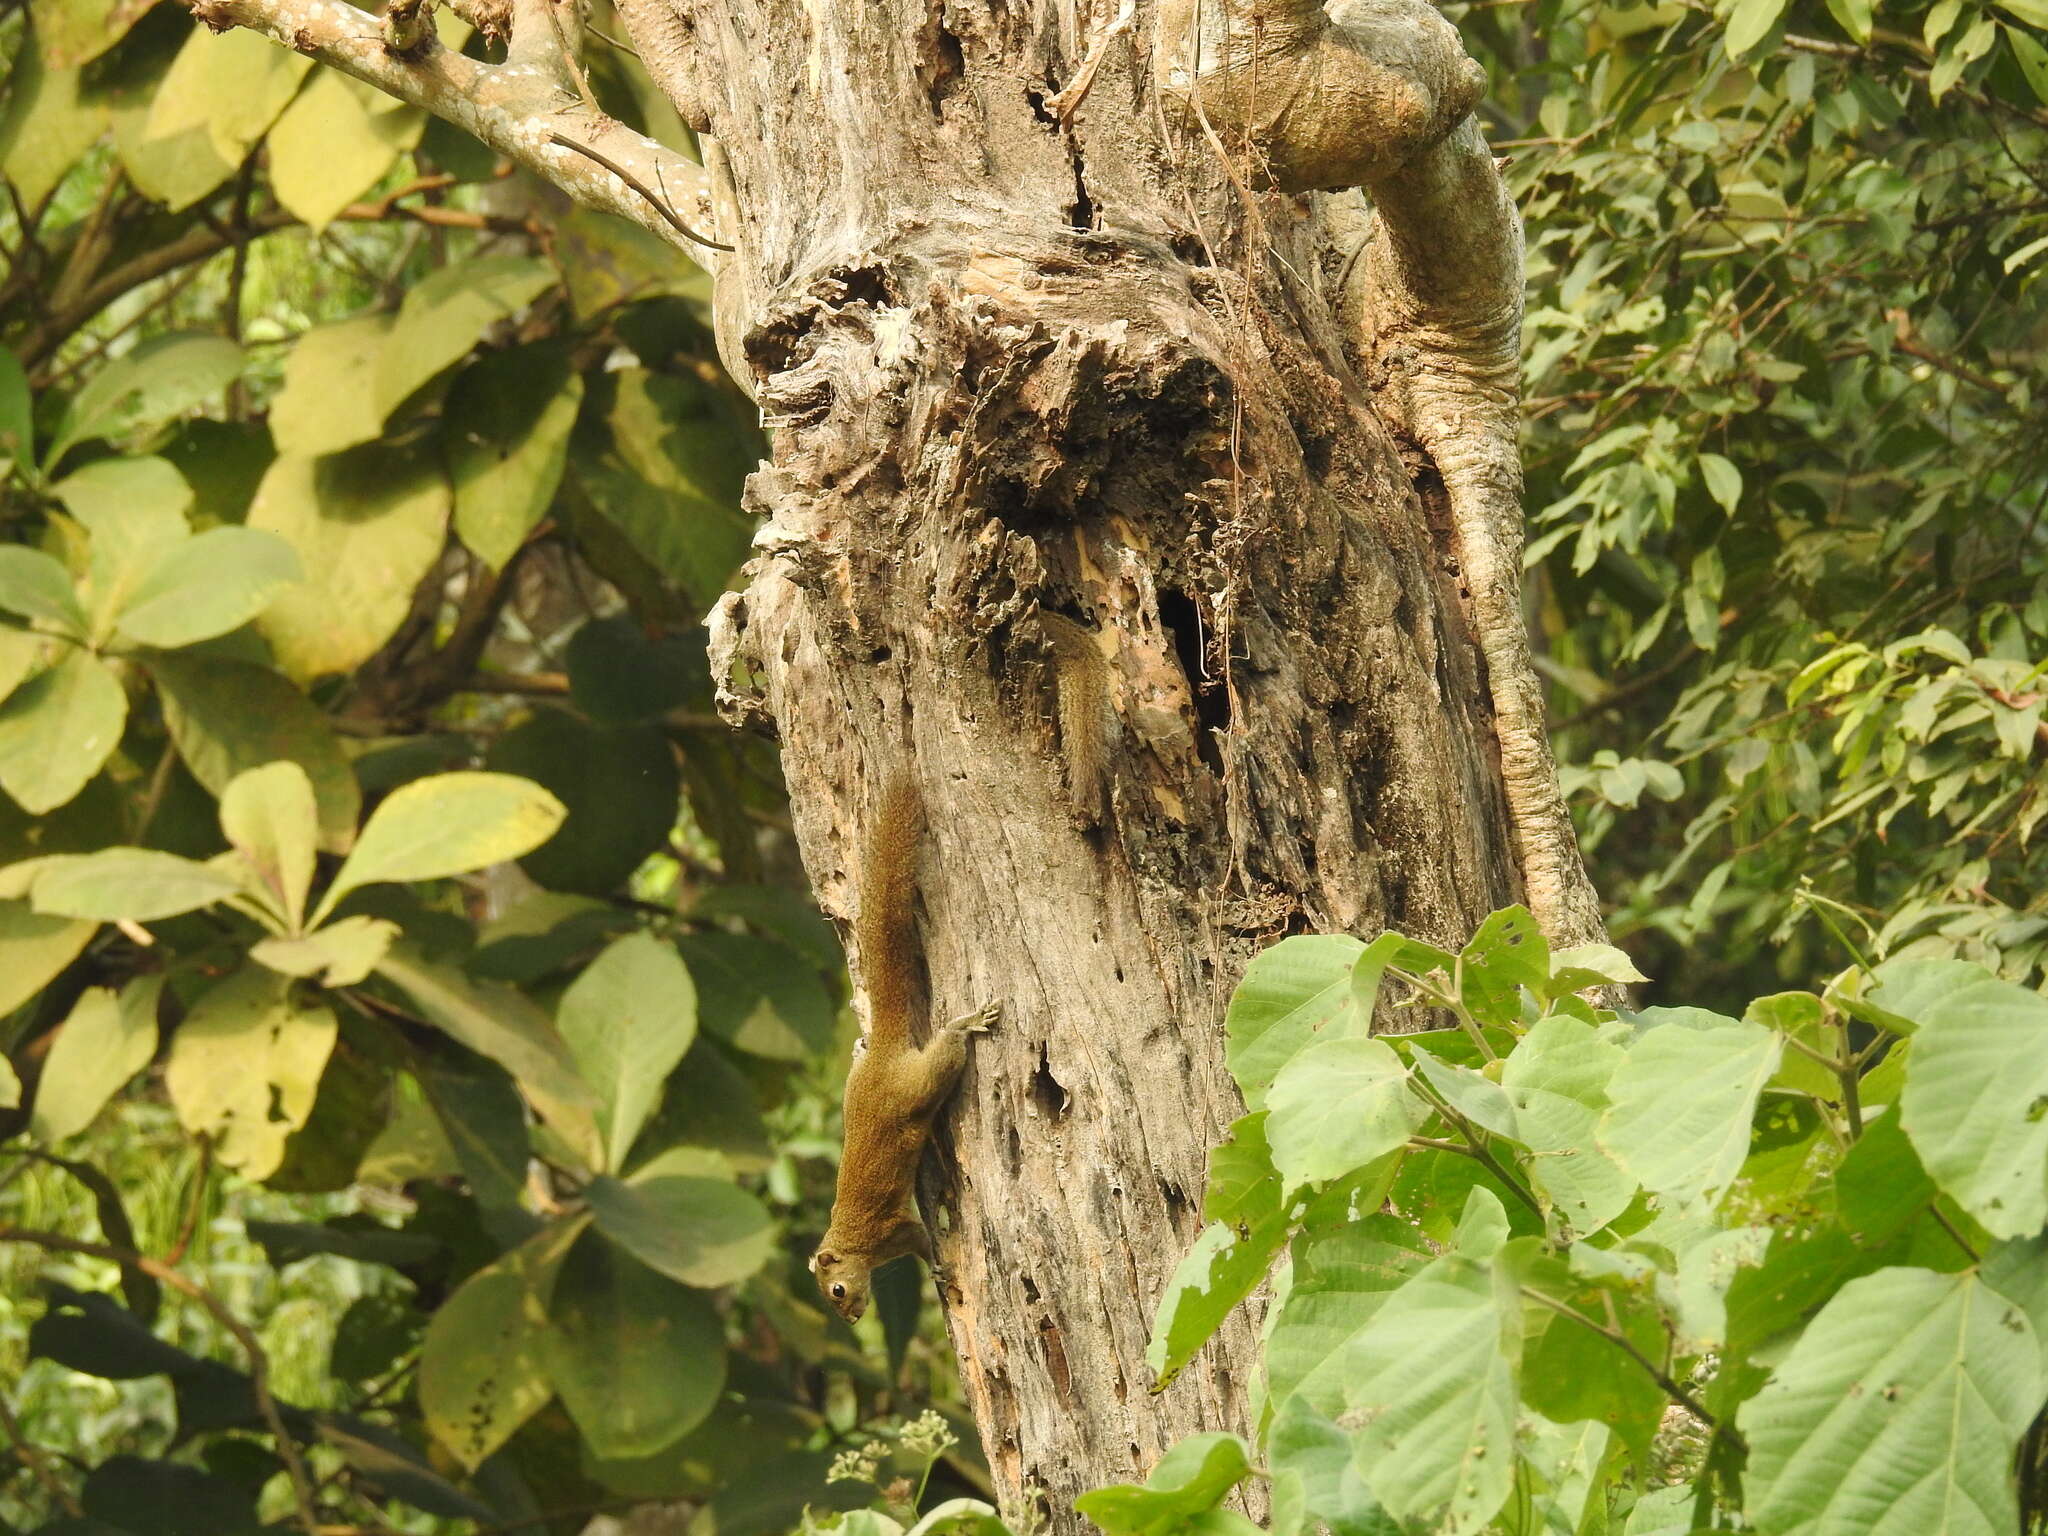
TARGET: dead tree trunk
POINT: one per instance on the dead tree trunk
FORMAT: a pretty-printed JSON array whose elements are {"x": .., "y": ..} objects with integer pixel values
[{"x": 1048, "y": 327}]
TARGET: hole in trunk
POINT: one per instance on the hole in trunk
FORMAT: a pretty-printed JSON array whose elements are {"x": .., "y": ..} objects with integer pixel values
[{"x": 1189, "y": 626}]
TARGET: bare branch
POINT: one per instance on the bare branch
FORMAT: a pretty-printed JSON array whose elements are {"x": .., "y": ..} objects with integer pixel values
[{"x": 510, "y": 110}]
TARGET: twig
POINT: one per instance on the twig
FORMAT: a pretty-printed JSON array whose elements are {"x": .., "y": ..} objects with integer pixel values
[
  {"x": 1962, "y": 1242},
  {"x": 192, "y": 1211},
  {"x": 669, "y": 214},
  {"x": 1621, "y": 1341},
  {"x": 259, "y": 1362}
]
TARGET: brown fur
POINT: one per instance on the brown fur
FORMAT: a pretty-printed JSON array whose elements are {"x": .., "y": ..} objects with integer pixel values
[{"x": 895, "y": 1088}]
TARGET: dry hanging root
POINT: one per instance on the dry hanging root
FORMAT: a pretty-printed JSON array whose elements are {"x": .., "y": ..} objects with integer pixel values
[{"x": 1378, "y": 94}]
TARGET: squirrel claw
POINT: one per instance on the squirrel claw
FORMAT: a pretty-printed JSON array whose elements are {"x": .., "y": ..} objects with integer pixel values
[{"x": 981, "y": 1021}]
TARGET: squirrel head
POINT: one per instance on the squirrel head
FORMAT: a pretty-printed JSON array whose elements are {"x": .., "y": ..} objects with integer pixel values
[{"x": 843, "y": 1277}]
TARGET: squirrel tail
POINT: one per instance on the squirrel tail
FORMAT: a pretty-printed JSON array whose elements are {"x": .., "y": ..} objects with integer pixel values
[{"x": 887, "y": 927}]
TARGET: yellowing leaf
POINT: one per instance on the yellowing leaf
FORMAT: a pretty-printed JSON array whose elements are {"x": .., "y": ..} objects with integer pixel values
[
  {"x": 245, "y": 1066},
  {"x": 335, "y": 142}
]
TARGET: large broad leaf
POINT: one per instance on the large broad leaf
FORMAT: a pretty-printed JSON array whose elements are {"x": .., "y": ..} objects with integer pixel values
[
  {"x": 1340, "y": 1284},
  {"x": 1338, "y": 1106},
  {"x": 323, "y": 406},
  {"x": 507, "y": 428},
  {"x": 67, "y": 122},
  {"x": 1293, "y": 995},
  {"x": 683, "y": 1215},
  {"x": 1311, "y": 1460},
  {"x": 758, "y": 996},
  {"x": 620, "y": 786},
  {"x": 1507, "y": 954},
  {"x": 1681, "y": 1104},
  {"x": 483, "y": 1122},
  {"x": 1557, "y": 1077},
  {"x": 447, "y": 825},
  {"x": 269, "y": 818},
  {"x": 1436, "y": 1379},
  {"x": 245, "y": 1067},
  {"x": 335, "y": 142},
  {"x": 21, "y": 652},
  {"x": 57, "y": 729},
  {"x": 1896, "y": 1413},
  {"x": 227, "y": 717},
  {"x": 106, "y": 1040},
  {"x": 505, "y": 1026},
  {"x": 628, "y": 1019},
  {"x": 230, "y": 85},
  {"x": 37, "y": 586},
  {"x": 639, "y": 1360},
  {"x": 72, "y": 32},
  {"x": 367, "y": 525},
  {"x": 481, "y": 1374},
  {"x": 156, "y": 380},
  {"x": 1973, "y": 1105},
  {"x": 134, "y": 510},
  {"x": 1190, "y": 1480},
  {"x": 34, "y": 947},
  {"x": 128, "y": 884},
  {"x": 446, "y": 315},
  {"x": 1225, "y": 1266},
  {"x": 207, "y": 586}
]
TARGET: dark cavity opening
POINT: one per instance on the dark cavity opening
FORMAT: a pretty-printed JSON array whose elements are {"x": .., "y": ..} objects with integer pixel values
[{"x": 1188, "y": 625}]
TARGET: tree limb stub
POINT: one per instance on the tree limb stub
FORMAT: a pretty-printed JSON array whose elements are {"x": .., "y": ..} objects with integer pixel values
[
  {"x": 1377, "y": 94},
  {"x": 517, "y": 110}
]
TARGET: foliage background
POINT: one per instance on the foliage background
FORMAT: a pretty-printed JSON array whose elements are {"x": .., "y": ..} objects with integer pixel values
[{"x": 1787, "y": 463}]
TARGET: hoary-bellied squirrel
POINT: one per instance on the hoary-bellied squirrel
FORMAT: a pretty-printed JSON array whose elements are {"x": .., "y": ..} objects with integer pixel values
[{"x": 895, "y": 1087}]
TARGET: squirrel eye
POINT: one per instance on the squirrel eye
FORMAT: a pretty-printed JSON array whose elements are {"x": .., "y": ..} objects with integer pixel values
[{"x": 839, "y": 1292}]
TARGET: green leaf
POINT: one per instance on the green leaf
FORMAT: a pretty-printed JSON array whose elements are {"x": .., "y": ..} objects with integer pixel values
[
  {"x": 10, "y": 1085},
  {"x": 508, "y": 1028},
  {"x": 334, "y": 143},
  {"x": 619, "y": 785},
  {"x": 445, "y": 316},
  {"x": 1682, "y": 1101},
  {"x": 323, "y": 407},
  {"x": 345, "y": 951},
  {"x": 758, "y": 996},
  {"x": 2032, "y": 57},
  {"x": 1303, "y": 1444},
  {"x": 1226, "y": 1264},
  {"x": 1854, "y": 17},
  {"x": 1573, "y": 1375},
  {"x": 1881, "y": 1186},
  {"x": 34, "y": 947},
  {"x": 2018, "y": 1272},
  {"x": 482, "y": 1125},
  {"x": 134, "y": 510},
  {"x": 628, "y": 1019},
  {"x": 269, "y": 818},
  {"x": 1340, "y": 1283},
  {"x": 1435, "y": 1378},
  {"x": 132, "y": 884},
  {"x": 245, "y": 1066},
  {"x": 507, "y": 429},
  {"x": 1486, "y": 1104},
  {"x": 106, "y": 1040},
  {"x": 1976, "y": 1088},
  {"x": 638, "y": 1359},
  {"x": 1896, "y": 1412},
  {"x": 446, "y": 825},
  {"x": 1588, "y": 965},
  {"x": 227, "y": 717},
  {"x": 37, "y": 586},
  {"x": 703, "y": 1231},
  {"x": 1338, "y": 1106},
  {"x": 229, "y": 85},
  {"x": 1293, "y": 994},
  {"x": 1557, "y": 1079},
  {"x": 21, "y": 652},
  {"x": 481, "y": 1369},
  {"x": 154, "y": 381},
  {"x": 1507, "y": 954},
  {"x": 1723, "y": 480},
  {"x": 1189, "y": 1480},
  {"x": 17, "y": 409},
  {"x": 207, "y": 586},
  {"x": 367, "y": 525}
]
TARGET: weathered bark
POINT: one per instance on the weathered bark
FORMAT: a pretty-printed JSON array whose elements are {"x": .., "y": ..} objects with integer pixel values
[
  {"x": 1025, "y": 355},
  {"x": 1049, "y": 322}
]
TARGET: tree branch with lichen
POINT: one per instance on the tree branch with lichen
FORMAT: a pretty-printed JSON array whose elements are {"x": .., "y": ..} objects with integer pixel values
[{"x": 518, "y": 111}]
